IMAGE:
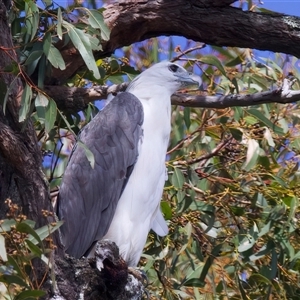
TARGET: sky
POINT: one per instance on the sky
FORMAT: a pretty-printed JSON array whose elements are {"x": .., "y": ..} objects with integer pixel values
[{"x": 291, "y": 7}]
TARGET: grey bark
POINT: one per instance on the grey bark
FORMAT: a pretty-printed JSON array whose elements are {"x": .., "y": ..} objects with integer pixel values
[{"x": 72, "y": 100}]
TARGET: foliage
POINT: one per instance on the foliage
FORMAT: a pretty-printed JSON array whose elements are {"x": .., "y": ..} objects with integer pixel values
[
  {"x": 232, "y": 195},
  {"x": 20, "y": 244}
]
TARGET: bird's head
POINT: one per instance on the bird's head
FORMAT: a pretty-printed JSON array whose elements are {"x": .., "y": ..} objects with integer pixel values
[{"x": 167, "y": 75}]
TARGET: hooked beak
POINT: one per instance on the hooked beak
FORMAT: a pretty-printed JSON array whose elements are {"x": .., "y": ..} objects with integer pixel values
[{"x": 190, "y": 79}]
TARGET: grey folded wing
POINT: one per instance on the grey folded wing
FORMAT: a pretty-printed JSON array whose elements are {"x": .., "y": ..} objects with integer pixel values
[{"x": 89, "y": 196}]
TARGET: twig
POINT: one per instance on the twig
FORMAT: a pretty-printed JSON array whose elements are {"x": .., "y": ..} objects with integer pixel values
[
  {"x": 213, "y": 153},
  {"x": 187, "y": 51}
]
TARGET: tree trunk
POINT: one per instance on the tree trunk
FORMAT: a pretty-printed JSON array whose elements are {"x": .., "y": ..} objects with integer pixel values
[{"x": 21, "y": 176}]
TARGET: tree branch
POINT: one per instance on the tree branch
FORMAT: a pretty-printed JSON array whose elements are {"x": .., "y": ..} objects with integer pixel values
[
  {"x": 280, "y": 95},
  {"x": 210, "y": 22},
  {"x": 75, "y": 99}
]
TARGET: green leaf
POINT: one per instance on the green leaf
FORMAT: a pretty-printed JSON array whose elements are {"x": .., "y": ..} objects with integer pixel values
[
  {"x": 258, "y": 278},
  {"x": 263, "y": 119},
  {"x": 3, "y": 253},
  {"x": 25, "y": 103},
  {"x": 250, "y": 120},
  {"x": 249, "y": 240},
  {"x": 32, "y": 18},
  {"x": 88, "y": 153},
  {"x": 194, "y": 282},
  {"x": 66, "y": 122},
  {"x": 177, "y": 178},
  {"x": 50, "y": 115},
  {"x": 6, "y": 224},
  {"x": 44, "y": 232},
  {"x": 33, "y": 56},
  {"x": 214, "y": 253},
  {"x": 13, "y": 279},
  {"x": 234, "y": 62},
  {"x": 33, "y": 248},
  {"x": 238, "y": 211},
  {"x": 52, "y": 54},
  {"x": 11, "y": 87},
  {"x": 212, "y": 60},
  {"x": 13, "y": 262},
  {"x": 25, "y": 228},
  {"x": 41, "y": 103},
  {"x": 42, "y": 72},
  {"x": 96, "y": 20},
  {"x": 29, "y": 294},
  {"x": 236, "y": 133},
  {"x": 81, "y": 41},
  {"x": 187, "y": 117},
  {"x": 274, "y": 268},
  {"x": 260, "y": 81},
  {"x": 166, "y": 210}
]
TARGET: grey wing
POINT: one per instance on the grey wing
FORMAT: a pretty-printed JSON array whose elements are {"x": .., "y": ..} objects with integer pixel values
[{"x": 88, "y": 197}]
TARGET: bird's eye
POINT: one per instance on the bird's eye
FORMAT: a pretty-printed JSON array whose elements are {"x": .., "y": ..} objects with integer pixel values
[{"x": 173, "y": 68}]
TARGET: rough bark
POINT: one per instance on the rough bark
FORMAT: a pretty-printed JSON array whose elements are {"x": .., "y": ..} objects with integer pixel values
[
  {"x": 21, "y": 176},
  {"x": 211, "y": 22},
  {"x": 73, "y": 100},
  {"x": 105, "y": 277}
]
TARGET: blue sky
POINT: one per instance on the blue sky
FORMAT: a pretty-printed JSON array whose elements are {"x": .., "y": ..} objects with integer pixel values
[{"x": 291, "y": 7}]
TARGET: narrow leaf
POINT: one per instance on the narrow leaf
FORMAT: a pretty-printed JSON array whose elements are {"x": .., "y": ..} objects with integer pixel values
[
  {"x": 25, "y": 103},
  {"x": 33, "y": 56},
  {"x": 50, "y": 116},
  {"x": 177, "y": 178},
  {"x": 81, "y": 41},
  {"x": 52, "y": 54},
  {"x": 44, "y": 232},
  {"x": 166, "y": 210},
  {"x": 212, "y": 60},
  {"x": 88, "y": 153},
  {"x": 11, "y": 87},
  {"x": 252, "y": 154},
  {"x": 33, "y": 248},
  {"x": 59, "y": 23},
  {"x": 9, "y": 279},
  {"x": 32, "y": 18},
  {"x": 265, "y": 120},
  {"x": 215, "y": 252},
  {"x": 96, "y": 20},
  {"x": 25, "y": 228},
  {"x": 29, "y": 294},
  {"x": 15, "y": 265},
  {"x": 3, "y": 253}
]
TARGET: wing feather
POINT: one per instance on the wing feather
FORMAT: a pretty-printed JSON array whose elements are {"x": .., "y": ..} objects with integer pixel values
[{"x": 88, "y": 197}]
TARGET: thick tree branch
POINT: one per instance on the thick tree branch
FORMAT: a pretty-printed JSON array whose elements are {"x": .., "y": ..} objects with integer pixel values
[
  {"x": 75, "y": 99},
  {"x": 211, "y": 22}
]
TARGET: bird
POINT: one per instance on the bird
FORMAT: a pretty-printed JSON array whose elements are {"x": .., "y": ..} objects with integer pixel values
[{"x": 119, "y": 197}]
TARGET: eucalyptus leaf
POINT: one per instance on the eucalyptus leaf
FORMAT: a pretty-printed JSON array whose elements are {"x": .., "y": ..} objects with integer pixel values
[
  {"x": 3, "y": 253},
  {"x": 96, "y": 20},
  {"x": 213, "y": 60},
  {"x": 25, "y": 103},
  {"x": 81, "y": 41},
  {"x": 88, "y": 153}
]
